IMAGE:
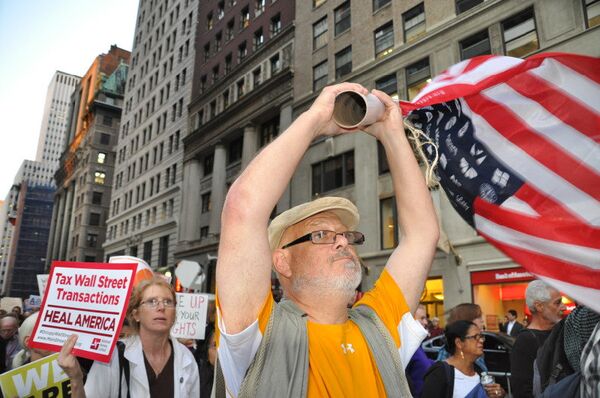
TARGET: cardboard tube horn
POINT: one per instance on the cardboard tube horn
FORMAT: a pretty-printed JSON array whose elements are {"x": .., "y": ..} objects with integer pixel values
[{"x": 354, "y": 110}]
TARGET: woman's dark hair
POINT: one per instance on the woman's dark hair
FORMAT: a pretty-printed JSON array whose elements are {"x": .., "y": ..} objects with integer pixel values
[{"x": 453, "y": 330}]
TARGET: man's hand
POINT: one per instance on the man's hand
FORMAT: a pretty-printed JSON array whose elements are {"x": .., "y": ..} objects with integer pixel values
[
  {"x": 391, "y": 120},
  {"x": 322, "y": 108}
]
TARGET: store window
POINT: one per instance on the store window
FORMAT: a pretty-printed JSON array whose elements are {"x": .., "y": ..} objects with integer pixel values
[
  {"x": 333, "y": 173},
  {"x": 388, "y": 223},
  {"x": 433, "y": 299},
  {"x": 343, "y": 62},
  {"x": 414, "y": 23},
  {"x": 384, "y": 40},
  {"x": 520, "y": 35},
  {"x": 474, "y": 45},
  {"x": 417, "y": 77}
]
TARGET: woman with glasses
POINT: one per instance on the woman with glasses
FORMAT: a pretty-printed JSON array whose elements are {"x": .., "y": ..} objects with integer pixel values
[
  {"x": 458, "y": 376},
  {"x": 159, "y": 366}
]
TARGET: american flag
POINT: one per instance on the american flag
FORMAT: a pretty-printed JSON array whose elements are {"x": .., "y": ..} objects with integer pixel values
[{"x": 519, "y": 159}]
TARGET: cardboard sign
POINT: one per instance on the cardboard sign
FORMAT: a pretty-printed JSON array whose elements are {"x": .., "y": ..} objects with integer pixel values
[
  {"x": 42, "y": 281},
  {"x": 87, "y": 299},
  {"x": 40, "y": 379},
  {"x": 8, "y": 303},
  {"x": 191, "y": 316}
]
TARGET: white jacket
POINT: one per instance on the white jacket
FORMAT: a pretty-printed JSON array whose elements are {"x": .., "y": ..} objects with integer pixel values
[{"x": 103, "y": 378}]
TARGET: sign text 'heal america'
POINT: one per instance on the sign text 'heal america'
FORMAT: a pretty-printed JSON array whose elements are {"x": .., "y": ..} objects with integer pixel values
[{"x": 88, "y": 299}]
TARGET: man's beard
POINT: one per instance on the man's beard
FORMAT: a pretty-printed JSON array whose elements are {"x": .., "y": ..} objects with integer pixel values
[{"x": 347, "y": 282}]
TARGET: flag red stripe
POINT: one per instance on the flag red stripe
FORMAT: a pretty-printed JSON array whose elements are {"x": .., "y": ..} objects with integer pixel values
[
  {"x": 552, "y": 228},
  {"x": 549, "y": 266},
  {"x": 561, "y": 105},
  {"x": 537, "y": 146},
  {"x": 544, "y": 205}
]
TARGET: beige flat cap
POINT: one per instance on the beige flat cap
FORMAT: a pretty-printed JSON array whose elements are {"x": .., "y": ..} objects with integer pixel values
[{"x": 341, "y": 207}]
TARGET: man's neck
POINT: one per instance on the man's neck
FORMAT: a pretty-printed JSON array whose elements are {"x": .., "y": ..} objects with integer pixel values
[
  {"x": 540, "y": 323},
  {"x": 323, "y": 308}
]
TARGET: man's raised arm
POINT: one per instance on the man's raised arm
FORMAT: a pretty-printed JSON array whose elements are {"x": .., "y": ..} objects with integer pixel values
[
  {"x": 411, "y": 261},
  {"x": 244, "y": 262}
]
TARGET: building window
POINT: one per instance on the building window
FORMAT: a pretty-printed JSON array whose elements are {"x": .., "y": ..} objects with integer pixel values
[
  {"x": 94, "y": 219},
  {"x": 417, "y": 77},
  {"x": 163, "y": 251},
  {"x": 89, "y": 259},
  {"x": 259, "y": 39},
  {"x": 388, "y": 84},
  {"x": 414, "y": 23},
  {"x": 465, "y": 5},
  {"x": 206, "y": 52},
  {"x": 240, "y": 88},
  {"x": 317, "y": 3},
  {"x": 242, "y": 52},
  {"x": 206, "y": 202},
  {"x": 275, "y": 62},
  {"x": 229, "y": 29},
  {"x": 320, "y": 33},
  {"x": 389, "y": 223},
  {"x": 101, "y": 157},
  {"x": 225, "y": 99},
  {"x": 520, "y": 36},
  {"x": 203, "y": 232},
  {"x": 208, "y": 162},
  {"x": 99, "y": 177},
  {"x": 209, "y": 21},
  {"x": 107, "y": 120},
  {"x": 259, "y": 7},
  {"x": 256, "y": 77},
  {"x": 148, "y": 252},
  {"x": 382, "y": 162},
  {"x": 244, "y": 18},
  {"x": 269, "y": 131},
  {"x": 228, "y": 63},
  {"x": 320, "y": 76},
  {"x": 342, "y": 18},
  {"x": 343, "y": 62},
  {"x": 215, "y": 73},
  {"x": 477, "y": 44},
  {"x": 218, "y": 42},
  {"x": 333, "y": 173},
  {"x": 104, "y": 139},
  {"x": 377, "y": 4},
  {"x": 275, "y": 26},
  {"x": 97, "y": 198},
  {"x": 592, "y": 13},
  {"x": 384, "y": 40},
  {"x": 235, "y": 150},
  {"x": 92, "y": 240},
  {"x": 213, "y": 109}
]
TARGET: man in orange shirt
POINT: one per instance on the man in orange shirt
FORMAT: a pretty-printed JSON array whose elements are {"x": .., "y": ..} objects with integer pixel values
[{"x": 312, "y": 249}]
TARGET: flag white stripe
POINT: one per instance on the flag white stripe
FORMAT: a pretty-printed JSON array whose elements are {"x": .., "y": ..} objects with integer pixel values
[
  {"x": 585, "y": 295},
  {"x": 576, "y": 86},
  {"x": 547, "y": 125},
  {"x": 488, "y": 68},
  {"x": 545, "y": 180},
  {"x": 515, "y": 204},
  {"x": 563, "y": 251}
]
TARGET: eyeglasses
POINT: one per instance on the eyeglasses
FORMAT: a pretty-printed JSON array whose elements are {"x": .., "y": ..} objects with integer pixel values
[
  {"x": 476, "y": 337},
  {"x": 328, "y": 237},
  {"x": 154, "y": 302}
]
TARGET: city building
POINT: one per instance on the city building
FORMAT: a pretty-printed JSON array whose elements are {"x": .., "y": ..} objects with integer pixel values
[
  {"x": 146, "y": 200},
  {"x": 84, "y": 178},
  {"x": 241, "y": 100},
  {"x": 397, "y": 47},
  {"x": 24, "y": 227},
  {"x": 54, "y": 120}
]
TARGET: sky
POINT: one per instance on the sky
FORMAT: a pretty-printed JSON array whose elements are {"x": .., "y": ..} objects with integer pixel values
[{"x": 37, "y": 38}]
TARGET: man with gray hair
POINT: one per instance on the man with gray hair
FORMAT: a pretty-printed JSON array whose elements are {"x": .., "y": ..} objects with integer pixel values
[
  {"x": 545, "y": 304},
  {"x": 8, "y": 332}
]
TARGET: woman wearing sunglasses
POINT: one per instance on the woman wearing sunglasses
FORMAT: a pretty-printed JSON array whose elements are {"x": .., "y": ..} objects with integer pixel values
[
  {"x": 159, "y": 366},
  {"x": 458, "y": 376}
]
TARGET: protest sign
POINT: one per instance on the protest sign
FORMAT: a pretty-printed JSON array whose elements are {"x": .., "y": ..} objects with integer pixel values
[
  {"x": 42, "y": 280},
  {"x": 39, "y": 379},
  {"x": 87, "y": 299},
  {"x": 191, "y": 316},
  {"x": 8, "y": 303}
]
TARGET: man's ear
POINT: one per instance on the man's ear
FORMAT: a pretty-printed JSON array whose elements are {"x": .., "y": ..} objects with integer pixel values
[
  {"x": 281, "y": 262},
  {"x": 26, "y": 341}
]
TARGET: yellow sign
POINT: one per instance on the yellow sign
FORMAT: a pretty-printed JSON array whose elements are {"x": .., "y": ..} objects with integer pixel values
[{"x": 40, "y": 379}]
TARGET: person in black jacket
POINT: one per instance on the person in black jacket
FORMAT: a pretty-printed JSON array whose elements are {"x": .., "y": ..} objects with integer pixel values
[{"x": 458, "y": 376}]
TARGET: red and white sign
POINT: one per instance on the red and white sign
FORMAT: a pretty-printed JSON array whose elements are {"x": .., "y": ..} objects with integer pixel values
[
  {"x": 505, "y": 275},
  {"x": 87, "y": 299}
]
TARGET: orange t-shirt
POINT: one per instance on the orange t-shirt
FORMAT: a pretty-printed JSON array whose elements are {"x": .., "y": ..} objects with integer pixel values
[{"x": 340, "y": 362}]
